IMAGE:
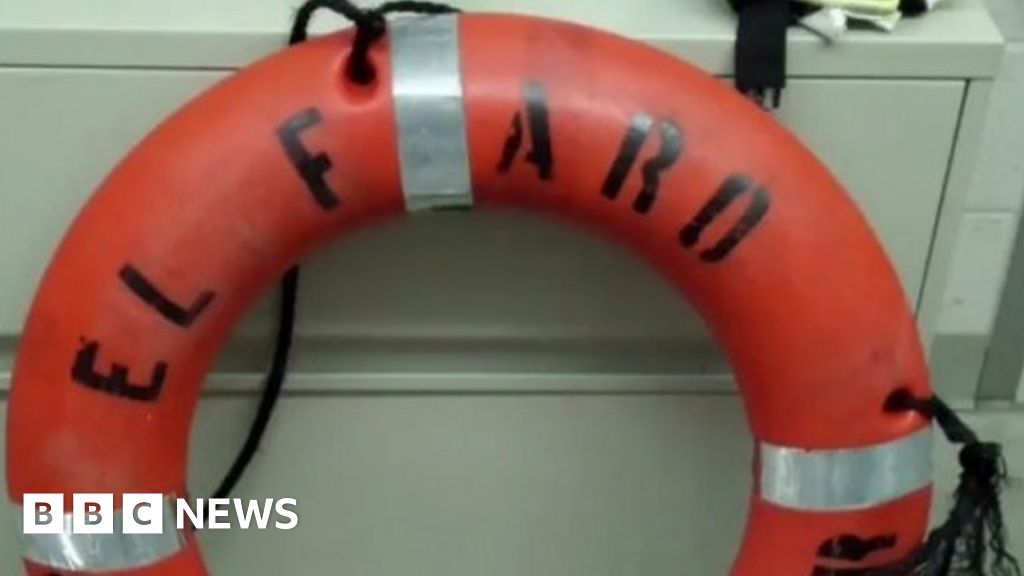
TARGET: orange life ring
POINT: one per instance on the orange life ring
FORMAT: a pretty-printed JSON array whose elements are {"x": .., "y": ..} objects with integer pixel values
[{"x": 217, "y": 202}]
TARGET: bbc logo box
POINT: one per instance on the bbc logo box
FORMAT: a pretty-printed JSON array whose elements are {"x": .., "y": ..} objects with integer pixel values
[
  {"x": 92, "y": 514},
  {"x": 152, "y": 514}
]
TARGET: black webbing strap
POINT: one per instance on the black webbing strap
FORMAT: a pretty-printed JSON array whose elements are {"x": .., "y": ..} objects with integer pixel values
[{"x": 760, "y": 54}]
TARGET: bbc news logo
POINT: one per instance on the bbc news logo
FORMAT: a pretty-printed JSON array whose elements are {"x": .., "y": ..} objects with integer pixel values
[{"x": 149, "y": 514}]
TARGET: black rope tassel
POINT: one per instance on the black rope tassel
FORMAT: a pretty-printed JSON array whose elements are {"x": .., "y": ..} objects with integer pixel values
[
  {"x": 972, "y": 540},
  {"x": 371, "y": 25}
]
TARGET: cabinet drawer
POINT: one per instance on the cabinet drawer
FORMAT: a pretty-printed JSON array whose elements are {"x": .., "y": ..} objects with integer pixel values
[
  {"x": 457, "y": 292},
  {"x": 478, "y": 485}
]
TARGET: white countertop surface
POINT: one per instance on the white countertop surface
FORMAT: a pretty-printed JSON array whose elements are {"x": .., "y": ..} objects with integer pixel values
[{"x": 958, "y": 39}]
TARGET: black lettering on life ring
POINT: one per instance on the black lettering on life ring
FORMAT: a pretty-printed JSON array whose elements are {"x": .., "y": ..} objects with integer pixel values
[
  {"x": 669, "y": 152},
  {"x": 730, "y": 190},
  {"x": 116, "y": 383},
  {"x": 538, "y": 117},
  {"x": 854, "y": 548},
  {"x": 850, "y": 548},
  {"x": 310, "y": 167},
  {"x": 826, "y": 571},
  {"x": 169, "y": 309}
]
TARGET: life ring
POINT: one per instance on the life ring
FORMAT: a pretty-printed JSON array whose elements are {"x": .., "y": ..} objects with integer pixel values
[{"x": 488, "y": 111}]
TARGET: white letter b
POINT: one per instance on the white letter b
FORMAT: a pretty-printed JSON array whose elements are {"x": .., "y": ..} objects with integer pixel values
[
  {"x": 43, "y": 514},
  {"x": 93, "y": 514}
]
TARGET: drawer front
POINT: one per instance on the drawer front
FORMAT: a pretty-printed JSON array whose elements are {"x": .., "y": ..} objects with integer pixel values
[
  {"x": 480, "y": 485},
  {"x": 459, "y": 293},
  {"x": 499, "y": 485}
]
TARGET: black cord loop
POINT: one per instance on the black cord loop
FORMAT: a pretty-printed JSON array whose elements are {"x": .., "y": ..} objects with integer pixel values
[
  {"x": 271, "y": 387},
  {"x": 370, "y": 24},
  {"x": 955, "y": 430}
]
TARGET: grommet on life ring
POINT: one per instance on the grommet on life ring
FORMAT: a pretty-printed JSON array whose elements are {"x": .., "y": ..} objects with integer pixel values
[{"x": 482, "y": 111}]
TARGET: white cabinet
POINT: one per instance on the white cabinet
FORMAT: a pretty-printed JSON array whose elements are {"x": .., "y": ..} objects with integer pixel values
[{"x": 467, "y": 293}]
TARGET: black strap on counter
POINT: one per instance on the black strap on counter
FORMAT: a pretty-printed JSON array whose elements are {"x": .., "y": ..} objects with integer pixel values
[
  {"x": 972, "y": 540},
  {"x": 371, "y": 25},
  {"x": 913, "y": 7},
  {"x": 760, "y": 53}
]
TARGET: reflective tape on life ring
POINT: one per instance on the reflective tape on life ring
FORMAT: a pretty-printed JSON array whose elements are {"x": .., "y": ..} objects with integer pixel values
[
  {"x": 427, "y": 90},
  {"x": 847, "y": 479},
  {"x": 77, "y": 552}
]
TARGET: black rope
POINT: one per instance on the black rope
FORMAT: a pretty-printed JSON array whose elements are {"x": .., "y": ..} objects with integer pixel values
[
  {"x": 972, "y": 540},
  {"x": 371, "y": 25},
  {"x": 271, "y": 387}
]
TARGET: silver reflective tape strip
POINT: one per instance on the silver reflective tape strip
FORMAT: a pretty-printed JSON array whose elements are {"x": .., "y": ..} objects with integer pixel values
[
  {"x": 104, "y": 552},
  {"x": 427, "y": 89},
  {"x": 850, "y": 479}
]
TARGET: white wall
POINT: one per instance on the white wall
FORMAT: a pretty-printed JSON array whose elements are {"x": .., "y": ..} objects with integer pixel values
[{"x": 1000, "y": 187}]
